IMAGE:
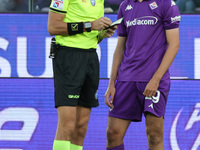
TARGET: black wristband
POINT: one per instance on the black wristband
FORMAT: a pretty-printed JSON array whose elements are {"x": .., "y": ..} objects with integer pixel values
[{"x": 75, "y": 28}]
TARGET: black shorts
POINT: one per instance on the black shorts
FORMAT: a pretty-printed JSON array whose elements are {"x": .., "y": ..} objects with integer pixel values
[{"x": 76, "y": 77}]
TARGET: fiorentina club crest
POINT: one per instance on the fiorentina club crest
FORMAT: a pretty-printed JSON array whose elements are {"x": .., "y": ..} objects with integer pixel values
[
  {"x": 153, "y": 5},
  {"x": 92, "y": 2}
]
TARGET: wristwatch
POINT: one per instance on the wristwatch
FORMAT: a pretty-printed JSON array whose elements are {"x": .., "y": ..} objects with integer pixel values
[{"x": 88, "y": 26}]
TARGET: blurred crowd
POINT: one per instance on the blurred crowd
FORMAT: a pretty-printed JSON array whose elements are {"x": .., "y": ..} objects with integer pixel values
[
  {"x": 13, "y": 5},
  {"x": 111, "y": 6},
  {"x": 188, "y": 6},
  {"x": 24, "y": 5}
]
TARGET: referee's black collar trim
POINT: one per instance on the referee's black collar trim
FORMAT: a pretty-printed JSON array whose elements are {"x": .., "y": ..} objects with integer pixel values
[{"x": 60, "y": 11}]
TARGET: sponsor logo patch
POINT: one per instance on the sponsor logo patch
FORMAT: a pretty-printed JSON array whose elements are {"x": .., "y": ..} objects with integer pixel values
[
  {"x": 58, "y": 4},
  {"x": 92, "y": 2},
  {"x": 146, "y": 20},
  {"x": 176, "y": 19},
  {"x": 173, "y": 3},
  {"x": 74, "y": 27},
  {"x": 73, "y": 96},
  {"x": 96, "y": 95},
  {"x": 153, "y": 5},
  {"x": 128, "y": 7}
]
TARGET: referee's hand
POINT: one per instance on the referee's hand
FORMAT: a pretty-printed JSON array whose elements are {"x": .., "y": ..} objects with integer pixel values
[{"x": 101, "y": 23}]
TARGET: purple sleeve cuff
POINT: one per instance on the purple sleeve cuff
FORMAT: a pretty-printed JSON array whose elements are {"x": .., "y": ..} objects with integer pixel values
[
  {"x": 172, "y": 26},
  {"x": 123, "y": 35}
]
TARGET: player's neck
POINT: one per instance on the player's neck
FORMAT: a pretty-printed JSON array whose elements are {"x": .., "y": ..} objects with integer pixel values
[{"x": 140, "y": 0}]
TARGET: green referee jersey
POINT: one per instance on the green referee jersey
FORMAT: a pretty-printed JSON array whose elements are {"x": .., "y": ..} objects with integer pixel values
[{"x": 79, "y": 11}]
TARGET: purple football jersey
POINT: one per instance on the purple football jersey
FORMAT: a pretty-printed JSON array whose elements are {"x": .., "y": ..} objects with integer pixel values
[{"x": 144, "y": 25}]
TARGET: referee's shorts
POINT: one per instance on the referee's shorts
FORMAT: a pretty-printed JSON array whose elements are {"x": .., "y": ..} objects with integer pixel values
[{"x": 76, "y": 77}]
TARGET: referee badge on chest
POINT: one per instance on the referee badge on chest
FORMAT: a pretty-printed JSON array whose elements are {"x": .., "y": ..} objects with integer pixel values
[{"x": 92, "y": 2}]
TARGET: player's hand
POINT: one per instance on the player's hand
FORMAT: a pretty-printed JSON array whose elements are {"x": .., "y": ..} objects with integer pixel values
[
  {"x": 101, "y": 23},
  {"x": 151, "y": 88},
  {"x": 110, "y": 93}
]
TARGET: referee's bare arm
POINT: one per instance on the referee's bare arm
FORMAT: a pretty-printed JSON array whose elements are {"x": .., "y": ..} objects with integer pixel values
[{"x": 56, "y": 26}]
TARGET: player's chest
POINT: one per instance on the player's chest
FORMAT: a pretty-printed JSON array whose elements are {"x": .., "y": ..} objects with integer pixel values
[{"x": 138, "y": 14}]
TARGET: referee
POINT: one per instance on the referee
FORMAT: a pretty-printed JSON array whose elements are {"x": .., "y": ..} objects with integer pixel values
[{"x": 78, "y": 26}]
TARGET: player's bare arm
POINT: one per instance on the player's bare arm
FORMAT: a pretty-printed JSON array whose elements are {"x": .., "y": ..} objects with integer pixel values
[
  {"x": 173, "y": 41},
  {"x": 56, "y": 26},
  {"x": 117, "y": 58}
]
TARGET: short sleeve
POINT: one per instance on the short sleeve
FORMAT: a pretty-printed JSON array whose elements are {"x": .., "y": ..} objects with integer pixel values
[
  {"x": 121, "y": 28},
  {"x": 171, "y": 15},
  {"x": 59, "y": 6}
]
